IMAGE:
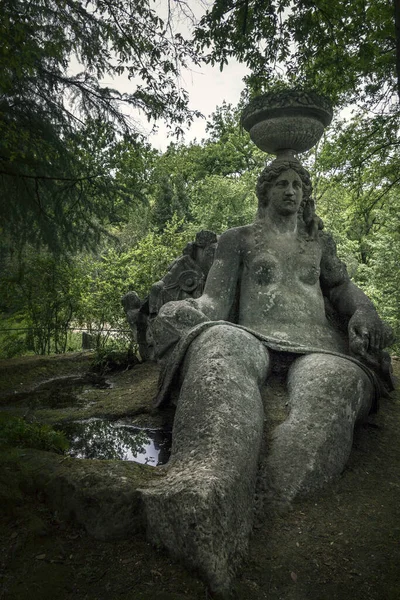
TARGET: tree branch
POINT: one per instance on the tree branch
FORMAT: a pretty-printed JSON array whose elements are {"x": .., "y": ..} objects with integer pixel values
[{"x": 45, "y": 177}]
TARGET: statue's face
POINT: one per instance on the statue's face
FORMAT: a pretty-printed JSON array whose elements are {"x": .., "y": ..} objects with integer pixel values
[{"x": 286, "y": 193}]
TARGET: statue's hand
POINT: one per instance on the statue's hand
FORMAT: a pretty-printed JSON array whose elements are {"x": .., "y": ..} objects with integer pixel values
[
  {"x": 185, "y": 313},
  {"x": 368, "y": 335},
  {"x": 174, "y": 320}
]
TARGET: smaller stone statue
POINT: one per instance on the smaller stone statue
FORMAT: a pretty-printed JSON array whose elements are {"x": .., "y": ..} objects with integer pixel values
[{"x": 185, "y": 278}]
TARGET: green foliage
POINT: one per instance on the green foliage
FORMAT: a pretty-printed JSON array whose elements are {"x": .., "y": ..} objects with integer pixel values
[
  {"x": 102, "y": 280},
  {"x": 219, "y": 203},
  {"x": 108, "y": 360},
  {"x": 206, "y": 185},
  {"x": 172, "y": 198},
  {"x": 74, "y": 341},
  {"x": 358, "y": 200},
  {"x": 149, "y": 260},
  {"x": 344, "y": 49},
  {"x": 382, "y": 279},
  {"x": 66, "y": 203},
  {"x": 98, "y": 288},
  {"x": 16, "y": 432},
  {"x": 13, "y": 338},
  {"x": 181, "y": 175},
  {"x": 228, "y": 151},
  {"x": 48, "y": 296},
  {"x": 59, "y": 131},
  {"x": 37, "y": 292}
]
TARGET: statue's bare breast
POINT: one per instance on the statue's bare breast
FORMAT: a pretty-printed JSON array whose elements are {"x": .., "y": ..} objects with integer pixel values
[{"x": 280, "y": 292}]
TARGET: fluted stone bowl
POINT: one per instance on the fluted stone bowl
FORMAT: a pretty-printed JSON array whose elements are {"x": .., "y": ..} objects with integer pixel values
[{"x": 289, "y": 120}]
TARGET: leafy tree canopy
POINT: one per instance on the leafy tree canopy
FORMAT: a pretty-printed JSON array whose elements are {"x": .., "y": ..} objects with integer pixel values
[
  {"x": 52, "y": 122},
  {"x": 344, "y": 49},
  {"x": 64, "y": 137},
  {"x": 179, "y": 173}
]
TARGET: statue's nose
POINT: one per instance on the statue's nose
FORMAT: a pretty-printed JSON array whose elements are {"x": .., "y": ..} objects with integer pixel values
[{"x": 289, "y": 190}]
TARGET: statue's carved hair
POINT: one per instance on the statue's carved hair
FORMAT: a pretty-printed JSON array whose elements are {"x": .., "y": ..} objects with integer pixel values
[{"x": 307, "y": 207}]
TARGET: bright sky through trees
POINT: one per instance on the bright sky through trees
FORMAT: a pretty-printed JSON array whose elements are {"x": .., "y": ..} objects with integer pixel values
[{"x": 208, "y": 88}]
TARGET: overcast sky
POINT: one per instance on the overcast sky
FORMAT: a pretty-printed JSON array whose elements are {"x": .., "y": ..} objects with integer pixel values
[{"x": 208, "y": 87}]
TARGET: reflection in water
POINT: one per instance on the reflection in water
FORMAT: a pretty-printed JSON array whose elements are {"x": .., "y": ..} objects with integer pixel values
[{"x": 99, "y": 438}]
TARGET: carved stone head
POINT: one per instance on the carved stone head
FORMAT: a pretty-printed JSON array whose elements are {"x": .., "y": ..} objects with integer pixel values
[
  {"x": 270, "y": 174},
  {"x": 266, "y": 180}
]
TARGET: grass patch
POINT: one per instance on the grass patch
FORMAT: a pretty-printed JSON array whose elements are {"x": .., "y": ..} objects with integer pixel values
[{"x": 15, "y": 432}]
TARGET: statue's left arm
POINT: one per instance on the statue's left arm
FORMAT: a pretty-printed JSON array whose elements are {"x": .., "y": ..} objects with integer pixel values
[{"x": 368, "y": 334}]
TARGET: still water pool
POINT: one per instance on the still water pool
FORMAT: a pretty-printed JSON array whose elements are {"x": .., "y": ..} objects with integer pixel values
[{"x": 105, "y": 439}]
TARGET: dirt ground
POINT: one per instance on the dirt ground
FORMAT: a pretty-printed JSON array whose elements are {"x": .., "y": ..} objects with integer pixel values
[{"x": 343, "y": 543}]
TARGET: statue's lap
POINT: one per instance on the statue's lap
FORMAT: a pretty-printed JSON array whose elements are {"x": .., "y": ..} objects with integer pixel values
[{"x": 243, "y": 345}]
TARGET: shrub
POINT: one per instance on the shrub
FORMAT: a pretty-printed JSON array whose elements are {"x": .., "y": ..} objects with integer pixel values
[{"x": 16, "y": 432}]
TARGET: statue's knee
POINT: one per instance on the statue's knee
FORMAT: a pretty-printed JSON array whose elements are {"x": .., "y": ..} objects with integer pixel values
[
  {"x": 327, "y": 375},
  {"x": 317, "y": 366},
  {"x": 223, "y": 338},
  {"x": 234, "y": 347}
]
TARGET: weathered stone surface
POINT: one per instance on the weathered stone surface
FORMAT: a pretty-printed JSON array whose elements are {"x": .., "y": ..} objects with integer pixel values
[
  {"x": 274, "y": 280},
  {"x": 185, "y": 279},
  {"x": 21, "y": 374},
  {"x": 326, "y": 396},
  {"x": 57, "y": 391},
  {"x": 106, "y": 497},
  {"x": 102, "y": 496},
  {"x": 202, "y": 511},
  {"x": 127, "y": 394},
  {"x": 291, "y": 119}
]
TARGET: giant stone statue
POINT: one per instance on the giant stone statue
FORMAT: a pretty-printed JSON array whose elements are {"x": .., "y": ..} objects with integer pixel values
[{"x": 277, "y": 297}]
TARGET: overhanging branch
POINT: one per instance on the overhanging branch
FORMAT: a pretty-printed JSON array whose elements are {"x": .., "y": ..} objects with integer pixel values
[{"x": 49, "y": 178}]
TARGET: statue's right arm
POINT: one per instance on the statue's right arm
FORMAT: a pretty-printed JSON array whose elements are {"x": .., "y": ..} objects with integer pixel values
[
  {"x": 220, "y": 289},
  {"x": 366, "y": 331}
]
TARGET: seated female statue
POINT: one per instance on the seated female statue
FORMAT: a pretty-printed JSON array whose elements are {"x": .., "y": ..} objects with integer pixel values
[{"x": 266, "y": 299}]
